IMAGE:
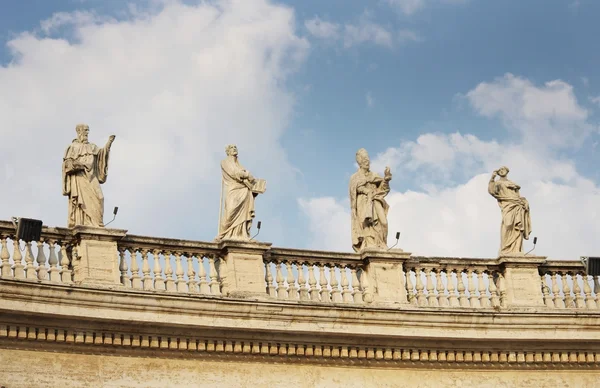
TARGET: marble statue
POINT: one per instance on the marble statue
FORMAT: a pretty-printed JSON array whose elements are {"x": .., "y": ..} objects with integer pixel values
[
  {"x": 368, "y": 206},
  {"x": 516, "y": 222},
  {"x": 241, "y": 188},
  {"x": 84, "y": 168}
]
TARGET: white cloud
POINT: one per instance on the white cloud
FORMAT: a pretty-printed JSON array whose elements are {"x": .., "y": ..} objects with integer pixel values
[
  {"x": 361, "y": 32},
  {"x": 452, "y": 214},
  {"x": 370, "y": 100},
  {"x": 549, "y": 114},
  {"x": 408, "y": 7},
  {"x": 175, "y": 84},
  {"x": 322, "y": 29},
  {"x": 595, "y": 100}
]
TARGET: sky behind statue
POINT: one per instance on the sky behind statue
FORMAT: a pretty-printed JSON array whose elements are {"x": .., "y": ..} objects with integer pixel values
[{"x": 441, "y": 91}]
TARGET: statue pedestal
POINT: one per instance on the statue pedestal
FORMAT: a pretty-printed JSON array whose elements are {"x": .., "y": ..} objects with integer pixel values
[
  {"x": 242, "y": 268},
  {"x": 97, "y": 260},
  {"x": 523, "y": 282},
  {"x": 385, "y": 271}
]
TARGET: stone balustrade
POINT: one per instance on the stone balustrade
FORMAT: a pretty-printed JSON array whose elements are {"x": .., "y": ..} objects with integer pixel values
[{"x": 110, "y": 257}]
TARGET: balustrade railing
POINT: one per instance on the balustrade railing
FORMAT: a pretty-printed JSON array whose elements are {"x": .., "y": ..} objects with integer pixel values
[
  {"x": 173, "y": 265},
  {"x": 445, "y": 282},
  {"x": 323, "y": 277},
  {"x": 565, "y": 285},
  {"x": 45, "y": 260}
]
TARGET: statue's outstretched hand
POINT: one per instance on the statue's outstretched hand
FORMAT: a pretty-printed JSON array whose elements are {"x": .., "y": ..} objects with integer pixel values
[{"x": 387, "y": 174}]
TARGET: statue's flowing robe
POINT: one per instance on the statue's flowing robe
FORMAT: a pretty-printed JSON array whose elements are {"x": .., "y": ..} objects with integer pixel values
[
  {"x": 369, "y": 215},
  {"x": 239, "y": 202},
  {"x": 516, "y": 221},
  {"x": 86, "y": 202}
]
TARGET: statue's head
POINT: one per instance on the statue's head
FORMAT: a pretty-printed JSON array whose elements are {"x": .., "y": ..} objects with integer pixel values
[
  {"x": 82, "y": 132},
  {"x": 503, "y": 171},
  {"x": 362, "y": 158},
  {"x": 231, "y": 150}
]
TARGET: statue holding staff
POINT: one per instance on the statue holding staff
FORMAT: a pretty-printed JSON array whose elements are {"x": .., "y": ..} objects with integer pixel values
[
  {"x": 368, "y": 206},
  {"x": 241, "y": 188},
  {"x": 516, "y": 221},
  {"x": 84, "y": 168}
]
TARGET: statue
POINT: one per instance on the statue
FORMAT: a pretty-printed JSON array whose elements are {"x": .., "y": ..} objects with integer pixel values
[
  {"x": 240, "y": 190},
  {"x": 369, "y": 209},
  {"x": 85, "y": 167},
  {"x": 516, "y": 222}
]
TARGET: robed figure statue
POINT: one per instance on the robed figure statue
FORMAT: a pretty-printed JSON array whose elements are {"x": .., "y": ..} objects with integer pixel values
[
  {"x": 368, "y": 206},
  {"x": 516, "y": 221},
  {"x": 84, "y": 168},
  {"x": 240, "y": 190}
]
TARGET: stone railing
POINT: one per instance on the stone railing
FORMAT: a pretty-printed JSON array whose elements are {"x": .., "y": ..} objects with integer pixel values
[
  {"x": 113, "y": 258},
  {"x": 566, "y": 285}
]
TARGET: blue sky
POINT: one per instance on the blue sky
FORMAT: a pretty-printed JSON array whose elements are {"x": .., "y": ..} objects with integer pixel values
[{"x": 443, "y": 91}]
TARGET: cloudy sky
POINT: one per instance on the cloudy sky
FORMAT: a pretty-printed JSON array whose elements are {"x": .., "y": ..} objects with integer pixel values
[{"x": 442, "y": 91}]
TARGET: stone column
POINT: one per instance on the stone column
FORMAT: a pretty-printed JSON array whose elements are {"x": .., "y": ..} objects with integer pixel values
[
  {"x": 242, "y": 268},
  {"x": 95, "y": 255},
  {"x": 386, "y": 275},
  {"x": 522, "y": 280}
]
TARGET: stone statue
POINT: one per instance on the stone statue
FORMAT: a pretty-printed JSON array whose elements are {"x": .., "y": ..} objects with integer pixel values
[
  {"x": 84, "y": 168},
  {"x": 369, "y": 209},
  {"x": 240, "y": 190},
  {"x": 516, "y": 222}
]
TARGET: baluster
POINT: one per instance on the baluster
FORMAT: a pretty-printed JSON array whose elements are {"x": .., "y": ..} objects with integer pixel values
[
  {"x": 5, "y": 269},
  {"x": 473, "y": 300},
  {"x": 66, "y": 275},
  {"x": 302, "y": 282},
  {"x": 223, "y": 274},
  {"x": 441, "y": 290},
  {"x": 421, "y": 299},
  {"x": 451, "y": 288},
  {"x": 431, "y": 297},
  {"x": 191, "y": 272},
  {"x": 346, "y": 293},
  {"x": 169, "y": 282},
  {"x": 312, "y": 281},
  {"x": 29, "y": 268},
  {"x": 336, "y": 295},
  {"x": 324, "y": 291},
  {"x": 597, "y": 290},
  {"x": 204, "y": 285},
  {"x": 42, "y": 270},
  {"x": 579, "y": 302},
  {"x": 356, "y": 290},
  {"x": 410, "y": 288},
  {"x": 147, "y": 280},
  {"x": 159, "y": 279},
  {"x": 365, "y": 286},
  {"x": 559, "y": 302},
  {"x": 502, "y": 289},
  {"x": 484, "y": 300},
  {"x": 462, "y": 298},
  {"x": 281, "y": 290},
  {"x": 136, "y": 281},
  {"x": 269, "y": 280},
  {"x": 123, "y": 268},
  {"x": 546, "y": 292},
  {"x": 180, "y": 282},
  {"x": 18, "y": 269},
  {"x": 54, "y": 273},
  {"x": 589, "y": 299},
  {"x": 567, "y": 291},
  {"x": 215, "y": 287},
  {"x": 494, "y": 300},
  {"x": 291, "y": 281}
]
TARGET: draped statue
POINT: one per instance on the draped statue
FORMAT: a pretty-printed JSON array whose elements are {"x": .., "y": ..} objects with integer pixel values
[
  {"x": 368, "y": 206},
  {"x": 240, "y": 190},
  {"x": 516, "y": 221},
  {"x": 84, "y": 168}
]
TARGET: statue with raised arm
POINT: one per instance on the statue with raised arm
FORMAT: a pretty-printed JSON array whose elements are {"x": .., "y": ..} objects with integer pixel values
[
  {"x": 84, "y": 168},
  {"x": 516, "y": 222},
  {"x": 368, "y": 206},
  {"x": 240, "y": 190}
]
